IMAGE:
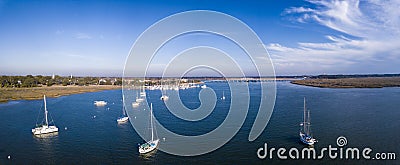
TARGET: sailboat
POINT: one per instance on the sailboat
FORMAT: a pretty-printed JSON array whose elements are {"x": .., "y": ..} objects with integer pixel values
[
  {"x": 164, "y": 97},
  {"x": 143, "y": 93},
  {"x": 124, "y": 117},
  {"x": 223, "y": 95},
  {"x": 135, "y": 104},
  {"x": 305, "y": 128},
  {"x": 164, "y": 89},
  {"x": 153, "y": 143},
  {"x": 139, "y": 99},
  {"x": 44, "y": 128},
  {"x": 100, "y": 103}
]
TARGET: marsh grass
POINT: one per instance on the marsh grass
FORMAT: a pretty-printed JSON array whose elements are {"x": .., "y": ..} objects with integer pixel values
[
  {"x": 368, "y": 82},
  {"x": 7, "y": 94}
]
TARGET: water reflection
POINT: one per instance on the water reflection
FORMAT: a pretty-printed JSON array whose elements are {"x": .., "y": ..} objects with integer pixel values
[
  {"x": 148, "y": 156},
  {"x": 46, "y": 137},
  {"x": 47, "y": 146}
]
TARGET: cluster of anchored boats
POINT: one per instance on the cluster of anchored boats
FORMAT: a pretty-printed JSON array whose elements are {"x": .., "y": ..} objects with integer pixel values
[{"x": 46, "y": 128}]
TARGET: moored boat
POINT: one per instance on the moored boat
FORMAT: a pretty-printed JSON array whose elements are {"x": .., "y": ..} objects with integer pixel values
[
  {"x": 305, "y": 128},
  {"x": 100, "y": 103},
  {"x": 153, "y": 143},
  {"x": 45, "y": 127}
]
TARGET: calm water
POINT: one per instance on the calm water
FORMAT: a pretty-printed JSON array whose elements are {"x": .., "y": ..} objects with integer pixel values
[{"x": 90, "y": 134}]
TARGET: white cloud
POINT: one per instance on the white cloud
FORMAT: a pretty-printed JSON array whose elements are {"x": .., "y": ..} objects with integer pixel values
[
  {"x": 82, "y": 36},
  {"x": 298, "y": 10},
  {"x": 373, "y": 25}
]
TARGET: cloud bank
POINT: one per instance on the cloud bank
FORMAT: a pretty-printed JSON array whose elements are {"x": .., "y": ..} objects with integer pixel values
[{"x": 367, "y": 38}]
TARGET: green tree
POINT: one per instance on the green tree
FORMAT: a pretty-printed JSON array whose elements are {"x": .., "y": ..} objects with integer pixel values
[
  {"x": 29, "y": 82},
  {"x": 65, "y": 82},
  {"x": 118, "y": 82},
  {"x": 50, "y": 82}
]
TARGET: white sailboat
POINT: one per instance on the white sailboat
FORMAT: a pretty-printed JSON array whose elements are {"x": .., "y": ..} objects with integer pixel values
[
  {"x": 305, "y": 128},
  {"x": 135, "y": 104},
  {"x": 153, "y": 143},
  {"x": 223, "y": 95},
  {"x": 164, "y": 88},
  {"x": 44, "y": 128},
  {"x": 124, "y": 117},
  {"x": 143, "y": 93},
  {"x": 139, "y": 99},
  {"x": 164, "y": 97},
  {"x": 100, "y": 103}
]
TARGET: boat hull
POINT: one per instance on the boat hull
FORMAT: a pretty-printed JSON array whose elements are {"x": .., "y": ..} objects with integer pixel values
[
  {"x": 142, "y": 94},
  {"x": 148, "y": 147},
  {"x": 100, "y": 103},
  {"x": 307, "y": 139},
  {"x": 44, "y": 130},
  {"x": 122, "y": 119},
  {"x": 135, "y": 104},
  {"x": 164, "y": 97}
]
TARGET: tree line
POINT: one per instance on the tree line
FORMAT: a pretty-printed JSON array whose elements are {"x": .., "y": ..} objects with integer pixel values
[
  {"x": 339, "y": 76},
  {"x": 39, "y": 80}
]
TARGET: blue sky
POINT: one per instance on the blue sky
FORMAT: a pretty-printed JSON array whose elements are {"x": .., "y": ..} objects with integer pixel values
[{"x": 93, "y": 38}]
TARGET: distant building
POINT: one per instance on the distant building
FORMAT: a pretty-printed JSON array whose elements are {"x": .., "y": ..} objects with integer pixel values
[{"x": 102, "y": 81}]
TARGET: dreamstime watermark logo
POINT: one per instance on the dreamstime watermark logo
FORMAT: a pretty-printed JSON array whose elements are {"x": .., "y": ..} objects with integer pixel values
[
  {"x": 339, "y": 152},
  {"x": 199, "y": 21},
  {"x": 341, "y": 141}
]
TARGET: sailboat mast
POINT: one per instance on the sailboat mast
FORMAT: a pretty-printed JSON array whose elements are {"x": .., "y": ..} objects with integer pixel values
[
  {"x": 123, "y": 105},
  {"x": 308, "y": 123},
  {"x": 304, "y": 115},
  {"x": 151, "y": 121},
  {"x": 45, "y": 110}
]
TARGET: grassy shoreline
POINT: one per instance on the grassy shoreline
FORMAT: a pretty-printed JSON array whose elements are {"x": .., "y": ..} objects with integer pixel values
[
  {"x": 367, "y": 82},
  {"x": 7, "y": 94}
]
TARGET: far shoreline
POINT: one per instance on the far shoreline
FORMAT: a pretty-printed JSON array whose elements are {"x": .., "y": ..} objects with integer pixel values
[
  {"x": 35, "y": 93},
  {"x": 364, "y": 82},
  {"x": 321, "y": 81}
]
